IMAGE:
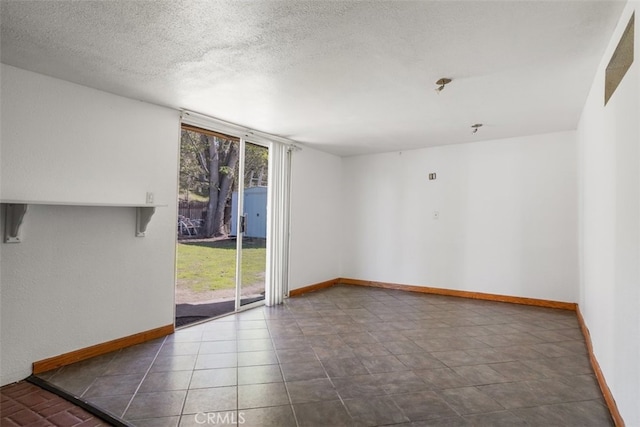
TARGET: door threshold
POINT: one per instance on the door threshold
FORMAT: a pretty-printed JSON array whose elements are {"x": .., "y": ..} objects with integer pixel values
[{"x": 243, "y": 308}]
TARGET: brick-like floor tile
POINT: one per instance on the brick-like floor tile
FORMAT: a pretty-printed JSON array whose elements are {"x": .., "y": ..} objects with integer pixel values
[
  {"x": 25, "y": 404},
  {"x": 80, "y": 413},
  {"x": 93, "y": 422},
  {"x": 59, "y": 405},
  {"x": 24, "y": 416},
  {"x": 34, "y": 398},
  {"x": 64, "y": 419},
  {"x": 41, "y": 423},
  {"x": 10, "y": 407}
]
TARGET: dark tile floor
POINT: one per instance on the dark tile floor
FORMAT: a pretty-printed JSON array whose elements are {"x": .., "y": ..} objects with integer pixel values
[{"x": 350, "y": 356}]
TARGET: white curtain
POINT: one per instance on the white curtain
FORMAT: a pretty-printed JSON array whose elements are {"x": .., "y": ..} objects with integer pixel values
[{"x": 277, "y": 275}]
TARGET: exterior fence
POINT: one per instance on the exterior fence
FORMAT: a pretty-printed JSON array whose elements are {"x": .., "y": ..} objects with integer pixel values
[{"x": 192, "y": 210}]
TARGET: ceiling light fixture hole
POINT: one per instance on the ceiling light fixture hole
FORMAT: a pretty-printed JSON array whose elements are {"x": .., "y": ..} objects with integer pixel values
[{"x": 442, "y": 83}]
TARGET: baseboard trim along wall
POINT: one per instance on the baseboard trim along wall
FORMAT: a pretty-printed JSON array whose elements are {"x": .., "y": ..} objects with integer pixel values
[
  {"x": 119, "y": 343},
  {"x": 99, "y": 349},
  {"x": 436, "y": 291},
  {"x": 462, "y": 294},
  {"x": 314, "y": 287},
  {"x": 606, "y": 392}
]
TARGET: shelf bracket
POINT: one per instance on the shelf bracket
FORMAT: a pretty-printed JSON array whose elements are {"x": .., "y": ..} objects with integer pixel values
[
  {"x": 143, "y": 216},
  {"x": 14, "y": 215}
]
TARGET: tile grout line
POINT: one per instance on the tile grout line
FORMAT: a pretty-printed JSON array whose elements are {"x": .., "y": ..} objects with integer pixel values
[
  {"x": 164, "y": 340},
  {"x": 340, "y": 398},
  {"x": 79, "y": 402},
  {"x": 293, "y": 411},
  {"x": 106, "y": 368},
  {"x": 184, "y": 402},
  {"x": 237, "y": 329},
  {"x": 457, "y": 329}
]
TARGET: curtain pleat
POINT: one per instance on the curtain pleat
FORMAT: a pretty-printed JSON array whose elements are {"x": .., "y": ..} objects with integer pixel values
[{"x": 277, "y": 274}]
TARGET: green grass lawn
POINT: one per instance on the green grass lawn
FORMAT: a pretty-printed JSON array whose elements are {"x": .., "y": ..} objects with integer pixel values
[
  {"x": 194, "y": 197},
  {"x": 208, "y": 266}
]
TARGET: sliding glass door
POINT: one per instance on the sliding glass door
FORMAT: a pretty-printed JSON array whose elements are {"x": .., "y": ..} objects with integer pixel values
[
  {"x": 252, "y": 217},
  {"x": 222, "y": 225}
]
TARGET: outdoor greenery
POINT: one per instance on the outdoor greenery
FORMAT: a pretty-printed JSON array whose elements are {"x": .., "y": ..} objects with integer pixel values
[
  {"x": 193, "y": 197},
  {"x": 206, "y": 266},
  {"x": 209, "y": 166}
]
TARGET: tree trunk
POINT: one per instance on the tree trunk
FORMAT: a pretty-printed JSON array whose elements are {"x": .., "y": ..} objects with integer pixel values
[
  {"x": 226, "y": 181},
  {"x": 214, "y": 184}
]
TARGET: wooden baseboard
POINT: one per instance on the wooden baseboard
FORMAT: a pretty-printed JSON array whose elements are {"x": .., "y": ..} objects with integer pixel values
[
  {"x": 314, "y": 287},
  {"x": 98, "y": 349},
  {"x": 463, "y": 294},
  {"x": 606, "y": 392},
  {"x": 437, "y": 291}
]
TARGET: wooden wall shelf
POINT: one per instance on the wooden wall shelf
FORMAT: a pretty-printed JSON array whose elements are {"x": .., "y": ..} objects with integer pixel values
[{"x": 17, "y": 209}]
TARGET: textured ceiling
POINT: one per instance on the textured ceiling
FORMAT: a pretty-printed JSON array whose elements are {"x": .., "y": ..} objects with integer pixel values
[{"x": 347, "y": 77}]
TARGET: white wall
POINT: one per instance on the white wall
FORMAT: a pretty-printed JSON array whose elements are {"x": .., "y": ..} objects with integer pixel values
[
  {"x": 80, "y": 276},
  {"x": 316, "y": 218},
  {"x": 609, "y": 139},
  {"x": 507, "y": 217}
]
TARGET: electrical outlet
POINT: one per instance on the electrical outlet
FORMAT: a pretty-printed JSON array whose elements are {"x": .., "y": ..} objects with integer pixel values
[{"x": 149, "y": 198}]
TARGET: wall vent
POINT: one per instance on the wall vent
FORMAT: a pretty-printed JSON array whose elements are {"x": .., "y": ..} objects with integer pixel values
[{"x": 620, "y": 61}]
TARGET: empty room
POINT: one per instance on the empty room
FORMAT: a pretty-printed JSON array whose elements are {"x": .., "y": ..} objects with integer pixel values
[{"x": 319, "y": 213}]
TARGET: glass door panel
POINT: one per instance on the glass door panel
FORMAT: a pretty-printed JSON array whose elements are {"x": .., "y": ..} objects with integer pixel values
[
  {"x": 222, "y": 225},
  {"x": 253, "y": 244},
  {"x": 206, "y": 245}
]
